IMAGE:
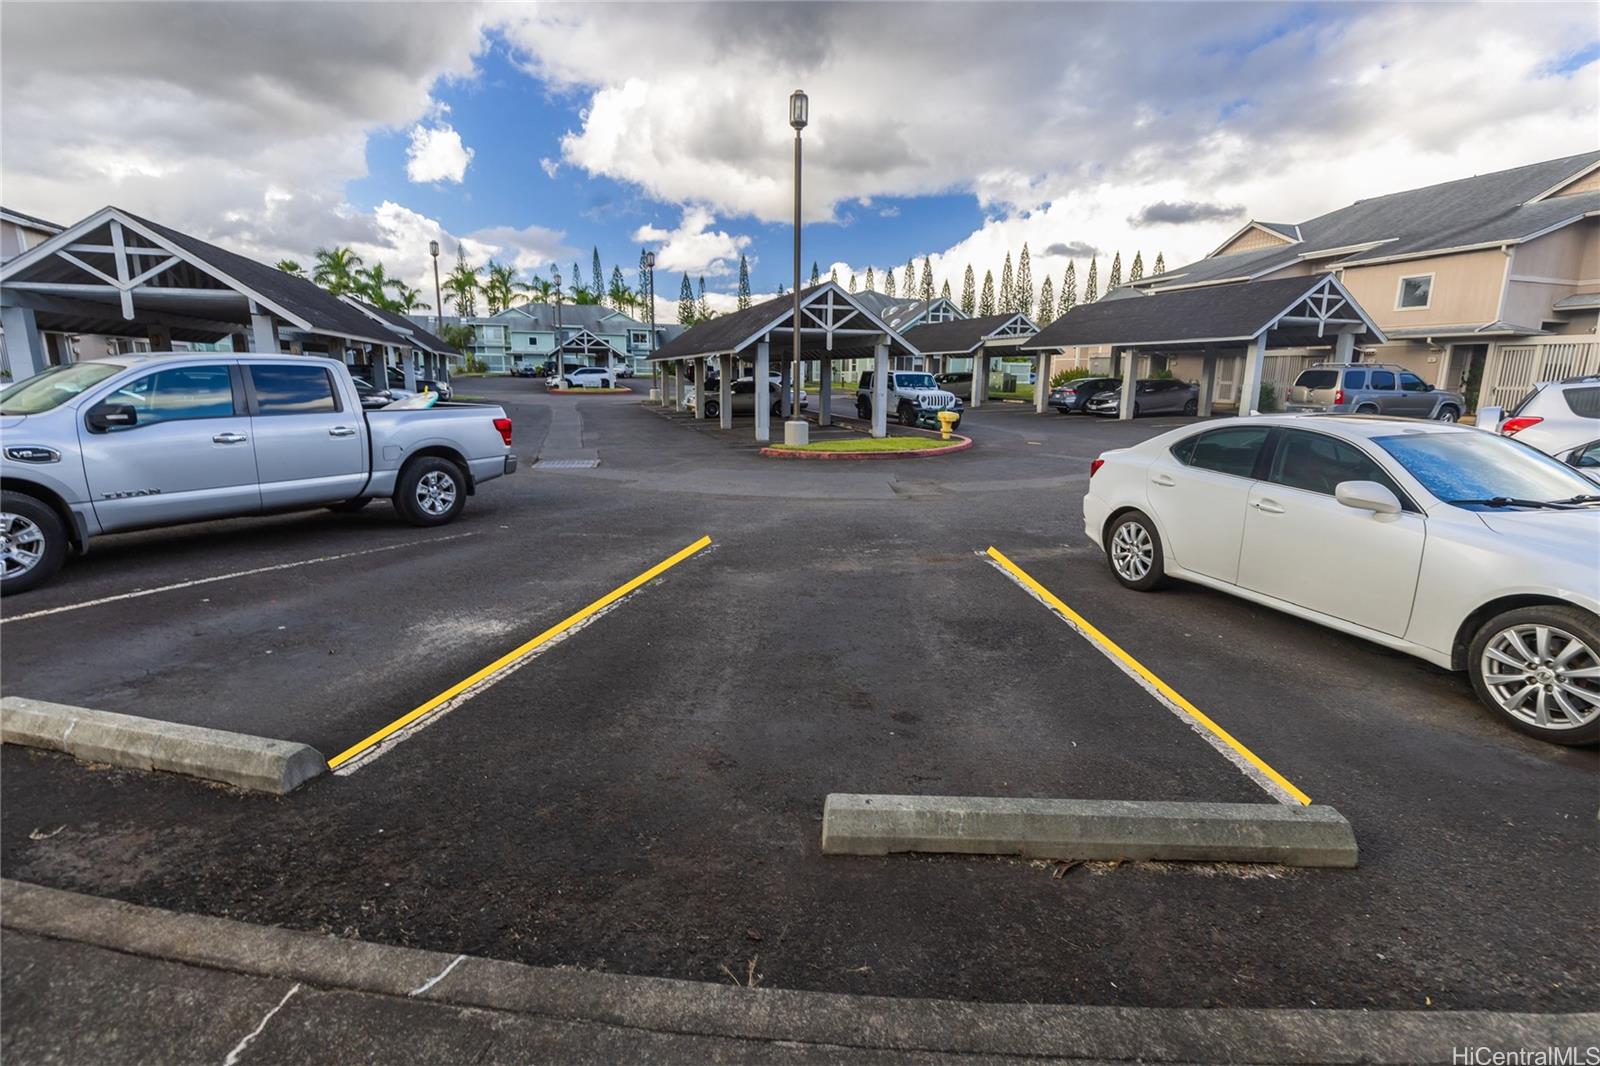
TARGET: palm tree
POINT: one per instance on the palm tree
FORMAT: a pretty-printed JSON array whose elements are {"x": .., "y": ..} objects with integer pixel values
[
  {"x": 406, "y": 299},
  {"x": 337, "y": 270},
  {"x": 463, "y": 285},
  {"x": 542, "y": 287},
  {"x": 373, "y": 283},
  {"x": 498, "y": 288},
  {"x": 292, "y": 268}
]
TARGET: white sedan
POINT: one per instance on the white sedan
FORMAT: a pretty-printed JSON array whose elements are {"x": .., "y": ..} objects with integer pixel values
[{"x": 1463, "y": 548}]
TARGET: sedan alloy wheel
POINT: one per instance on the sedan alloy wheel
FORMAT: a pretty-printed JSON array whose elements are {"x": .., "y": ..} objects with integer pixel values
[{"x": 1542, "y": 675}]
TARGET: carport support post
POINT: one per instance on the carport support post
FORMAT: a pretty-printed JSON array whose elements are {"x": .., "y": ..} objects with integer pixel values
[
  {"x": 725, "y": 392},
  {"x": 378, "y": 367},
  {"x": 1344, "y": 350},
  {"x": 677, "y": 385},
  {"x": 783, "y": 389},
  {"x": 1041, "y": 385},
  {"x": 1255, "y": 359},
  {"x": 758, "y": 383},
  {"x": 980, "y": 377},
  {"x": 880, "y": 388},
  {"x": 1208, "y": 385},
  {"x": 408, "y": 368},
  {"x": 699, "y": 389},
  {"x": 825, "y": 393},
  {"x": 1129, "y": 367},
  {"x": 24, "y": 343},
  {"x": 263, "y": 332}
]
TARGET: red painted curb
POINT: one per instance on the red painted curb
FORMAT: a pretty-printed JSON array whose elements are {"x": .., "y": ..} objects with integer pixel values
[{"x": 916, "y": 453}]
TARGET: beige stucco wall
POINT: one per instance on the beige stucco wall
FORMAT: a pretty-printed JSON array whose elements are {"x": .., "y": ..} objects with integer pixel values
[
  {"x": 1588, "y": 183},
  {"x": 1551, "y": 267},
  {"x": 1250, "y": 240},
  {"x": 1466, "y": 288}
]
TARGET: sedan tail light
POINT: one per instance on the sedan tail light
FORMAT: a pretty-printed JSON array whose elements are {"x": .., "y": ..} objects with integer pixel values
[
  {"x": 1096, "y": 465},
  {"x": 1514, "y": 426},
  {"x": 1338, "y": 396},
  {"x": 504, "y": 426}
]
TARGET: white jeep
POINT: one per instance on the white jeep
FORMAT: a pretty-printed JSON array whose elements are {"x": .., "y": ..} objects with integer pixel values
[{"x": 914, "y": 398}]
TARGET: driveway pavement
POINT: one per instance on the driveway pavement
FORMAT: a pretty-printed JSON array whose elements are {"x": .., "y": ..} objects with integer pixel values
[{"x": 644, "y": 796}]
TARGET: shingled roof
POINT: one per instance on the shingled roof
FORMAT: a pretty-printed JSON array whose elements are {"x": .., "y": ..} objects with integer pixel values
[
  {"x": 960, "y": 336},
  {"x": 406, "y": 327},
  {"x": 732, "y": 333},
  {"x": 1233, "y": 313},
  {"x": 1487, "y": 209}
]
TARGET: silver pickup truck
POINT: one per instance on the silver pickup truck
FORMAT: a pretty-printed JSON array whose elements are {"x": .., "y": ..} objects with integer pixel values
[{"x": 138, "y": 441}]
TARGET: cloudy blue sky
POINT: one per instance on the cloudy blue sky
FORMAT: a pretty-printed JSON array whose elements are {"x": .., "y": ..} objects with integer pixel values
[{"x": 533, "y": 133}]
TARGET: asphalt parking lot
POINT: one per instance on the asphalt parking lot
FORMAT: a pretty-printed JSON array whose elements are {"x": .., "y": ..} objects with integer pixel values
[{"x": 644, "y": 796}]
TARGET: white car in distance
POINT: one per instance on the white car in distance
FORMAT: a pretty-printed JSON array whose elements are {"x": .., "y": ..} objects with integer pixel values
[
  {"x": 588, "y": 377},
  {"x": 1463, "y": 548},
  {"x": 1557, "y": 417}
]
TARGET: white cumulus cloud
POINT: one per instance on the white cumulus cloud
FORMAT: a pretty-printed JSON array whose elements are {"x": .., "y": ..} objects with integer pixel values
[
  {"x": 437, "y": 154},
  {"x": 694, "y": 247}
]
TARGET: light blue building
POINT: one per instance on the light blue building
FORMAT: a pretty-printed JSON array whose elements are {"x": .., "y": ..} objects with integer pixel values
[{"x": 532, "y": 333}]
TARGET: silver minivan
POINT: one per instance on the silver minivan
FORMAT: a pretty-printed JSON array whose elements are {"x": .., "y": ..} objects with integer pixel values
[{"x": 1371, "y": 389}]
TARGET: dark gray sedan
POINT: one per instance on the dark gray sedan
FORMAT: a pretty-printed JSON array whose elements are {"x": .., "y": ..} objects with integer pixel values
[
  {"x": 1074, "y": 396},
  {"x": 1151, "y": 396}
]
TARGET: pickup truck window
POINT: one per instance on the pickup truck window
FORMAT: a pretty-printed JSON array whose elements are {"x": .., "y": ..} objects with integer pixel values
[
  {"x": 54, "y": 387},
  {"x": 177, "y": 393},
  {"x": 292, "y": 390}
]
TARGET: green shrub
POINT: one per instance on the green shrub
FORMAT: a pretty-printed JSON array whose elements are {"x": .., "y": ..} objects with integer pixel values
[
  {"x": 1061, "y": 377},
  {"x": 1159, "y": 374},
  {"x": 1267, "y": 402}
]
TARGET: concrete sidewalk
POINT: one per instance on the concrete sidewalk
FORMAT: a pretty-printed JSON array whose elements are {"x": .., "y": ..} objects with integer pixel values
[{"x": 94, "y": 980}]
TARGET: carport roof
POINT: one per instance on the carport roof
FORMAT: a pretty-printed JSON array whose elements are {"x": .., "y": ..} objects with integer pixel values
[
  {"x": 833, "y": 323},
  {"x": 404, "y": 326},
  {"x": 962, "y": 336},
  {"x": 1299, "y": 309}
]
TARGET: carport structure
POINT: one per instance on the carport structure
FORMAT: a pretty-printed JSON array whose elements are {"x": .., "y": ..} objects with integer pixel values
[
  {"x": 981, "y": 339},
  {"x": 833, "y": 325},
  {"x": 586, "y": 349},
  {"x": 435, "y": 353},
  {"x": 1242, "y": 319},
  {"x": 116, "y": 274}
]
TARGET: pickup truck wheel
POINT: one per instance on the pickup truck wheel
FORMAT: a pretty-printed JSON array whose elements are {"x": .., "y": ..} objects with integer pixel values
[
  {"x": 349, "y": 506},
  {"x": 1538, "y": 668},
  {"x": 431, "y": 491},
  {"x": 33, "y": 542}
]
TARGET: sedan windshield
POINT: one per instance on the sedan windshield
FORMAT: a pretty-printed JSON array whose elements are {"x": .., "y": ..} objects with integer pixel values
[
  {"x": 914, "y": 381},
  {"x": 53, "y": 387},
  {"x": 1482, "y": 471}
]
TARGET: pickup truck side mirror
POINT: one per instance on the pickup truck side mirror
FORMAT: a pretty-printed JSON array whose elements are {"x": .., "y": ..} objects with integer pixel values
[{"x": 104, "y": 417}]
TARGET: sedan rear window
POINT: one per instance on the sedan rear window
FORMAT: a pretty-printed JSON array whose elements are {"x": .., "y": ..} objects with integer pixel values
[{"x": 1317, "y": 379}]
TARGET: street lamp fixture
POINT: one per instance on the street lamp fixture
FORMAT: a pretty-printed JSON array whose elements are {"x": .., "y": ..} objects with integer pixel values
[
  {"x": 438, "y": 304},
  {"x": 795, "y": 430}
]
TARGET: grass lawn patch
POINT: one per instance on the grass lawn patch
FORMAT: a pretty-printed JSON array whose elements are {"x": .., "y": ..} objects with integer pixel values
[{"x": 866, "y": 444}]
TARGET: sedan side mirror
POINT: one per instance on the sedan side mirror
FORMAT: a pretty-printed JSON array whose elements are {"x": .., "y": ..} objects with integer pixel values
[
  {"x": 1367, "y": 496},
  {"x": 104, "y": 417}
]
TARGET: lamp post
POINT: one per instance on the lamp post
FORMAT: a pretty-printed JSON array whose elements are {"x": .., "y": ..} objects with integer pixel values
[
  {"x": 795, "y": 431},
  {"x": 647, "y": 259},
  {"x": 438, "y": 304}
]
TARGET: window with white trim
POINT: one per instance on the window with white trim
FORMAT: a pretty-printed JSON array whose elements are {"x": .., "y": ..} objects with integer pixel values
[{"x": 1415, "y": 292}]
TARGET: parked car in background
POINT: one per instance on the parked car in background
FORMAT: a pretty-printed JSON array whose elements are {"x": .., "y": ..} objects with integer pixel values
[
  {"x": 957, "y": 383},
  {"x": 397, "y": 380},
  {"x": 373, "y": 397},
  {"x": 623, "y": 370},
  {"x": 1371, "y": 389},
  {"x": 530, "y": 370},
  {"x": 743, "y": 397},
  {"x": 588, "y": 377},
  {"x": 1074, "y": 396},
  {"x": 1151, "y": 396},
  {"x": 1585, "y": 458},
  {"x": 144, "y": 441},
  {"x": 1555, "y": 416},
  {"x": 914, "y": 397},
  {"x": 1462, "y": 548}
]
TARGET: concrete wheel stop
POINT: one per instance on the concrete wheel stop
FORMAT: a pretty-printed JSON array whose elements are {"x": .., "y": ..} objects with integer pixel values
[
  {"x": 256, "y": 763},
  {"x": 856, "y": 824}
]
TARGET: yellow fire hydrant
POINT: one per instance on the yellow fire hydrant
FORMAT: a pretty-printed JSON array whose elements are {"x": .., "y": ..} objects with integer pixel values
[{"x": 947, "y": 421}]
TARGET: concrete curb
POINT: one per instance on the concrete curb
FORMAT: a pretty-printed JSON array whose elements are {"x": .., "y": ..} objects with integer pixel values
[
  {"x": 857, "y": 1024},
  {"x": 256, "y": 763},
  {"x": 914, "y": 453},
  {"x": 1087, "y": 829},
  {"x": 589, "y": 392}
]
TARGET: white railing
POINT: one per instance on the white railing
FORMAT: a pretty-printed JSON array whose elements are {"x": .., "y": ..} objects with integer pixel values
[{"x": 1513, "y": 369}]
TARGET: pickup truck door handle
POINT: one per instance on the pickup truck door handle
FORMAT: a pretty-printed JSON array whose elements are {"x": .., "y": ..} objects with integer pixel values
[
  {"x": 1164, "y": 480},
  {"x": 1267, "y": 506},
  {"x": 342, "y": 431},
  {"x": 230, "y": 438}
]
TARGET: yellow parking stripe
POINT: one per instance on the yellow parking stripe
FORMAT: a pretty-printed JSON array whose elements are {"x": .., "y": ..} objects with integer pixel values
[
  {"x": 517, "y": 653},
  {"x": 1113, "y": 649}
]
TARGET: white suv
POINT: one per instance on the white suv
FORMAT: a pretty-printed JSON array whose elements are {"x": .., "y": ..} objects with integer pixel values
[
  {"x": 1556, "y": 417},
  {"x": 589, "y": 377}
]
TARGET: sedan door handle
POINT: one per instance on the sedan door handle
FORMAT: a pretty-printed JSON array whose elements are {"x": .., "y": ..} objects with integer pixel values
[
  {"x": 1163, "y": 480},
  {"x": 1267, "y": 506},
  {"x": 230, "y": 438},
  {"x": 342, "y": 431}
]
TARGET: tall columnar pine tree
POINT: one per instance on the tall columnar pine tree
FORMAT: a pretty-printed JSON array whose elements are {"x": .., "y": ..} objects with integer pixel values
[
  {"x": 969, "y": 293},
  {"x": 618, "y": 289},
  {"x": 1136, "y": 271},
  {"x": 744, "y": 282},
  {"x": 644, "y": 281},
  {"x": 909, "y": 282},
  {"x": 1069, "y": 288},
  {"x": 869, "y": 281},
  {"x": 926, "y": 287},
  {"x": 702, "y": 310},
  {"x": 1115, "y": 278},
  {"x": 816, "y": 275},
  {"x": 1047, "y": 303},
  {"x": 1008, "y": 286},
  {"x": 686, "y": 303},
  {"x": 945, "y": 295},
  {"x": 833, "y": 275},
  {"x": 852, "y": 281},
  {"x": 888, "y": 282},
  {"x": 986, "y": 297},
  {"x": 596, "y": 274},
  {"x": 1161, "y": 264},
  {"x": 1024, "y": 294},
  {"x": 1091, "y": 288},
  {"x": 577, "y": 282}
]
